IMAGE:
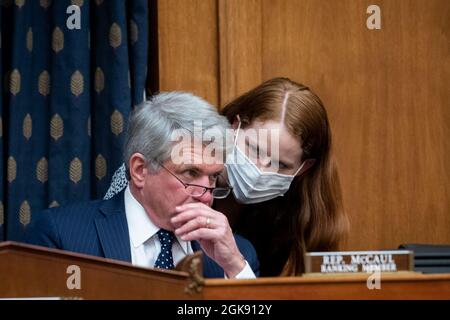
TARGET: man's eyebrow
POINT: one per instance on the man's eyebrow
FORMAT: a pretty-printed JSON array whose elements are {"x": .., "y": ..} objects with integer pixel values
[
  {"x": 189, "y": 167},
  {"x": 199, "y": 170}
]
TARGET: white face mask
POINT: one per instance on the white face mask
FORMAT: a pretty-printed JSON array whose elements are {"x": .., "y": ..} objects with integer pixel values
[{"x": 250, "y": 184}]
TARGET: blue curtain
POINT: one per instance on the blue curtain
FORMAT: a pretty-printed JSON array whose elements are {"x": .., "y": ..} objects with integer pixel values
[{"x": 67, "y": 95}]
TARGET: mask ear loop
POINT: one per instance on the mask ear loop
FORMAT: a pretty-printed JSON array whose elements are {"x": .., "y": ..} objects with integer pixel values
[
  {"x": 298, "y": 170},
  {"x": 237, "y": 130}
]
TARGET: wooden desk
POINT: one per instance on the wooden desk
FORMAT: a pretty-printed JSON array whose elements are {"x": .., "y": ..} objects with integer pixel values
[
  {"x": 401, "y": 286},
  {"x": 32, "y": 271}
]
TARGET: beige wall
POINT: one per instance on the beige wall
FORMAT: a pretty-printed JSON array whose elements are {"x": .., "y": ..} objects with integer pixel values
[{"x": 386, "y": 92}]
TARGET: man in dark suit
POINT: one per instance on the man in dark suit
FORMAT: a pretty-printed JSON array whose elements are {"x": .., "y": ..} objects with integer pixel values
[{"x": 165, "y": 213}]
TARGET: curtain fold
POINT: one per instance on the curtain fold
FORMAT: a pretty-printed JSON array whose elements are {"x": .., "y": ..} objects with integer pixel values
[{"x": 67, "y": 95}]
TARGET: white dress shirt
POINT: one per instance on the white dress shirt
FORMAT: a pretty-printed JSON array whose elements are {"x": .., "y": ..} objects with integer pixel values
[{"x": 144, "y": 241}]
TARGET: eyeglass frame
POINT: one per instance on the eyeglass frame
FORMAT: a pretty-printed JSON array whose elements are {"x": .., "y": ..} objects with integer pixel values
[{"x": 205, "y": 189}]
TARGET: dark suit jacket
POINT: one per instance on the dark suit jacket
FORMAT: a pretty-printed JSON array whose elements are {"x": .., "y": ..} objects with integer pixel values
[{"x": 100, "y": 228}]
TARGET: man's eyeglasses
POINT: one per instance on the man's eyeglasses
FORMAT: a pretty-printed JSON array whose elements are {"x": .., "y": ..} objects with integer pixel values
[{"x": 195, "y": 190}]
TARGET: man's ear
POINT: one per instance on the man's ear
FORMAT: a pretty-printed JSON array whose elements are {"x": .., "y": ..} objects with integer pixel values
[
  {"x": 138, "y": 169},
  {"x": 307, "y": 164}
]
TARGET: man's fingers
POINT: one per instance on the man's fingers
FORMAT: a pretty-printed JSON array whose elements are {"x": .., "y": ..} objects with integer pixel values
[
  {"x": 193, "y": 224},
  {"x": 191, "y": 214},
  {"x": 201, "y": 234}
]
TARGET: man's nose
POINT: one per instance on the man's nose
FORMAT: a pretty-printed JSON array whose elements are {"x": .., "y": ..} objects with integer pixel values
[{"x": 206, "y": 198}]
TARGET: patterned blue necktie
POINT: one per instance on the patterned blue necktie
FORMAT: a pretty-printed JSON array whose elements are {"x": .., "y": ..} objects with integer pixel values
[{"x": 165, "y": 258}]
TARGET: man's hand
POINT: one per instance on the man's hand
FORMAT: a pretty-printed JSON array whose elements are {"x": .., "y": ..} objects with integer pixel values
[{"x": 197, "y": 221}]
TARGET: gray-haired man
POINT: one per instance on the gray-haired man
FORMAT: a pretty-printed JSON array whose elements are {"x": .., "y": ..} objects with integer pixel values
[{"x": 165, "y": 213}]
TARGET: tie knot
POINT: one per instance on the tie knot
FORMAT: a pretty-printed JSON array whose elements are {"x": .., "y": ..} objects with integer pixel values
[{"x": 166, "y": 237}]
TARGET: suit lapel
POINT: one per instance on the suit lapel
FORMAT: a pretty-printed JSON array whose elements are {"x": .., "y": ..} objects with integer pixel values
[{"x": 112, "y": 229}]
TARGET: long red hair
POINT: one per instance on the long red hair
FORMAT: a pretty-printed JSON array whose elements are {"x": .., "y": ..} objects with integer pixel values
[{"x": 310, "y": 217}]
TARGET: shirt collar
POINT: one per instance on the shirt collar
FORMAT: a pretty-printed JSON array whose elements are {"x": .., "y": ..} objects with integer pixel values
[{"x": 140, "y": 226}]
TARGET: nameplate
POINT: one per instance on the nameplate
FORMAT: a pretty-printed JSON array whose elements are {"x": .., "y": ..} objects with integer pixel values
[{"x": 359, "y": 261}]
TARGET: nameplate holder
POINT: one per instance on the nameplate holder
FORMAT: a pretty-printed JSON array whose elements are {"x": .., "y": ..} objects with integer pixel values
[{"x": 359, "y": 261}]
